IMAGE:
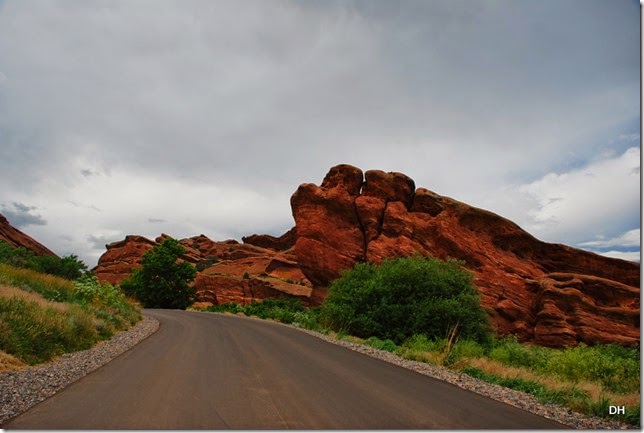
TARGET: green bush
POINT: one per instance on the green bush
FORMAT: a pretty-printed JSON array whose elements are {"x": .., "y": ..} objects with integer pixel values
[
  {"x": 162, "y": 281},
  {"x": 282, "y": 309},
  {"x": 406, "y": 296},
  {"x": 377, "y": 343},
  {"x": 68, "y": 267},
  {"x": 285, "y": 310},
  {"x": 107, "y": 303}
]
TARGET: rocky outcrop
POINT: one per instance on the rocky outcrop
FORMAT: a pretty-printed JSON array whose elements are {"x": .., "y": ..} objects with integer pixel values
[
  {"x": 550, "y": 294},
  {"x": 283, "y": 243},
  {"x": 227, "y": 270},
  {"x": 17, "y": 238},
  {"x": 121, "y": 258}
]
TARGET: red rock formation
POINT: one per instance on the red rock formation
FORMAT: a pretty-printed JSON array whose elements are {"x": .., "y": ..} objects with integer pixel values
[
  {"x": 544, "y": 293},
  {"x": 16, "y": 238},
  {"x": 547, "y": 293},
  {"x": 121, "y": 258},
  {"x": 227, "y": 271},
  {"x": 283, "y": 243}
]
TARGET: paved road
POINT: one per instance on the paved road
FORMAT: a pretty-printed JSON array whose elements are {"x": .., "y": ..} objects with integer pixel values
[{"x": 211, "y": 371}]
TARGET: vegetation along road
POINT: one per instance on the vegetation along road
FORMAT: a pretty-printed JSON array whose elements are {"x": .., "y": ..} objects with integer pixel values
[{"x": 204, "y": 370}]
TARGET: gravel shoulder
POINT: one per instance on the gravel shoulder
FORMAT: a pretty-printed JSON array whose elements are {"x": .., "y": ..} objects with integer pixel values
[{"x": 22, "y": 389}]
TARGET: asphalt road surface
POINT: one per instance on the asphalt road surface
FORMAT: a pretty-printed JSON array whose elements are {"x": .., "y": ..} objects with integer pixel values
[{"x": 210, "y": 371}]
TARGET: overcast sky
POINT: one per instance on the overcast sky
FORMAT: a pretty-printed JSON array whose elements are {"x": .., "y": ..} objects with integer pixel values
[{"x": 189, "y": 117}]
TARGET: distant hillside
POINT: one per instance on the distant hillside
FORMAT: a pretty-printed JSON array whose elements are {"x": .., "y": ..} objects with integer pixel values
[{"x": 16, "y": 238}]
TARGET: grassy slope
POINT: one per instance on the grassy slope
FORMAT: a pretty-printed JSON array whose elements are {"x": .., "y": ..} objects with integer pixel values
[{"x": 42, "y": 316}]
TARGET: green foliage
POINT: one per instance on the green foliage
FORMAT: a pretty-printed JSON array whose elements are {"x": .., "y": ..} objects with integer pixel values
[
  {"x": 509, "y": 351},
  {"x": 615, "y": 367},
  {"x": 406, "y": 296},
  {"x": 285, "y": 310},
  {"x": 206, "y": 263},
  {"x": 574, "y": 398},
  {"x": 35, "y": 334},
  {"x": 468, "y": 349},
  {"x": 50, "y": 287},
  {"x": 69, "y": 267},
  {"x": 420, "y": 343},
  {"x": 88, "y": 311},
  {"x": 162, "y": 281},
  {"x": 377, "y": 343},
  {"x": 110, "y": 306}
]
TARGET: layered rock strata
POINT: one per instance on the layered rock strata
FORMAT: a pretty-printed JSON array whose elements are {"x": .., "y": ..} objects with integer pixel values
[
  {"x": 227, "y": 271},
  {"x": 550, "y": 294}
]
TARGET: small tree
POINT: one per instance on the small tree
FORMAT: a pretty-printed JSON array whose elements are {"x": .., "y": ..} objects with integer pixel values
[
  {"x": 162, "y": 281},
  {"x": 406, "y": 296}
]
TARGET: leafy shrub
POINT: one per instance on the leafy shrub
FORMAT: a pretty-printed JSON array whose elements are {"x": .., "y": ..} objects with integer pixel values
[
  {"x": 420, "y": 343},
  {"x": 406, "y": 296},
  {"x": 206, "y": 263},
  {"x": 377, "y": 343},
  {"x": 285, "y": 310},
  {"x": 282, "y": 309},
  {"x": 309, "y": 318},
  {"x": 68, "y": 267},
  {"x": 107, "y": 303},
  {"x": 163, "y": 280}
]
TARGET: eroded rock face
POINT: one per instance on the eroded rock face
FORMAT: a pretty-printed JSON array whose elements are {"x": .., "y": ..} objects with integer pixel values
[
  {"x": 121, "y": 258},
  {"x": 227, "y": 271},
  {"x": 283, "y": 243},
  {"x": 17, "y": 238},
  {"x": 550, "y": 294}
]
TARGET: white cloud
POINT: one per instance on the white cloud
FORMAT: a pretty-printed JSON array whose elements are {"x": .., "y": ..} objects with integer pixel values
[
  {"x": 631, "y": 256},
  {"x": 205, "y": 116},
  {"x": 629, "y": 239},
  {"x": 600, "y": 199}
]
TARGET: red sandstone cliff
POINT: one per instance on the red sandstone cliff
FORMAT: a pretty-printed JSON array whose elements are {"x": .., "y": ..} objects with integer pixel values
[
  {"x": 547, "y": 293},
  {"x": 228, "y": 271},
  {"x": 16, "y": 238}
]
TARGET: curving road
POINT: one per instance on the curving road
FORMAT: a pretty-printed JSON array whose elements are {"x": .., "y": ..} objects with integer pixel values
[{"x": 210, "y": 371}]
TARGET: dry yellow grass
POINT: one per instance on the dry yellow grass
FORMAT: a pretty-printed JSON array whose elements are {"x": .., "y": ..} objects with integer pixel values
[
  {"x": 10, "y": 362},
  {"x": 10, "y": 292},
  {"x": 595, "y": 391}
]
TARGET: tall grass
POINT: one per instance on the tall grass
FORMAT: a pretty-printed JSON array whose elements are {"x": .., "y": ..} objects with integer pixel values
[
  {"x": 42, "y": 316},
  {"x": 50, "y": 287},
  {"x": 34, "y": 334}
]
